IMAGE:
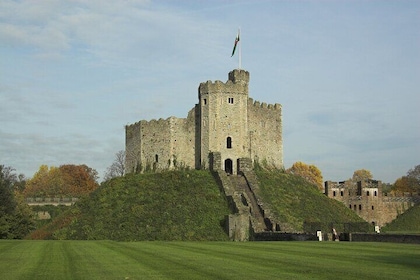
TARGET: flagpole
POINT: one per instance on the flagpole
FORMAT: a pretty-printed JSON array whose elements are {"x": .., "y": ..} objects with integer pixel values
[{"x": 240, "y": 47}]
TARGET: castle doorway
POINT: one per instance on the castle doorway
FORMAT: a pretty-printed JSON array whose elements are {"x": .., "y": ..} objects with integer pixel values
[{"x": 229, "y": 166}]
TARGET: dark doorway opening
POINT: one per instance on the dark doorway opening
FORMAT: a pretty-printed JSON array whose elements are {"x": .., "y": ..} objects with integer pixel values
[{"x": 229, "y": 166}]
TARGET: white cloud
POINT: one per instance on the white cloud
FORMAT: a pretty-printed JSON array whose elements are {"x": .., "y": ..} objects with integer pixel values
[{"x": 73, "y": 73}]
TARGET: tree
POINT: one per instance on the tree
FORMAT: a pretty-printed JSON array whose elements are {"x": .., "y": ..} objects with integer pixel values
[
  {"x": 7, "y": 203},
  {"x": 46, "y": 182},
  {"x": 404, "y": 184},
  {"x": 310, "y": 173},
  {"x": 78, "y": 179},
  {"x": 15, "y": 215},
  {"x": 410, "y": 182},
  {"x": 414, "y": 174},
  {"x": 66, "y": 180},
  {"x": 361, "y": 175},
  {"x": 117, "y": 168}
]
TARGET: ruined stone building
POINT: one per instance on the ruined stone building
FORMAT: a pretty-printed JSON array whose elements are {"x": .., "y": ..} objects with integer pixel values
[
  {"x": 226, "y": 122},
  {"x": 367, "y": 199}
]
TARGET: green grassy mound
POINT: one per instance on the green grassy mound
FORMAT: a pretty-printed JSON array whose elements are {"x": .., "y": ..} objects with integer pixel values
[
  {"x": 165, "y": 206},
  {"x": 184, "y": 205},
  {"x": 408, "y": 222},
  {"x": 295, "y": 202}
]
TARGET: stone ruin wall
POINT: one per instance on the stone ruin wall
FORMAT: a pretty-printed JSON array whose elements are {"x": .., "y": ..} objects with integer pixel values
[
  {"x": 160, "y": 144},
  {"x": 367, "y": 200},
  {"x": 265, "y": 133},
  {"x": 132, "y": 147},
  {"x": 184, "y": 141}
]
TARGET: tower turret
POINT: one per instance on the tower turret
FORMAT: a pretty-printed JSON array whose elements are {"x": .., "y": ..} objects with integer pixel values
[{"x": 239, "y": 76}]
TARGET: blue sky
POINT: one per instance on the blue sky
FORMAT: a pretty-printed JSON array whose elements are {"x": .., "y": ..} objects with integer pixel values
[{"x": 347, "y": 73}]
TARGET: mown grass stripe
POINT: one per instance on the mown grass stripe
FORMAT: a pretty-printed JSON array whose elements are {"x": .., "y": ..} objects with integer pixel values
[
  {"x": 170, "y": 264},
  {"x": 207, "y": 260},
  {"x": 17, "y": 258}
]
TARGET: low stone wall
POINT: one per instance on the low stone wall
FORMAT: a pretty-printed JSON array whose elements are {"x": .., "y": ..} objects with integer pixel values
[
  {"x": 282, "y": 236},
  {"x": 396, "y": 238}
]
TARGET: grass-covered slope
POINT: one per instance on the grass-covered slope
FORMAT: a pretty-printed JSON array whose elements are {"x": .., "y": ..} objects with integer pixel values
[
  {"x": 184, "y": 205},
  {"x": 407, "y": 222},
  {"x": 295, "y": 201},
  {"x": 174, "y": 205}
]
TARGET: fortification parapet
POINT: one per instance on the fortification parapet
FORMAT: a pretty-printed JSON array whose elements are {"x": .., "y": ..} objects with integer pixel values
[
  {"x": 236, "y": 84},
  {"x": 264, "y": 105},
  {"x": 152, "y": 122},
  {"x": 223, "y": 88},
  {"x": 239, "y": 76},
  {"x": 223, "y": 115}
]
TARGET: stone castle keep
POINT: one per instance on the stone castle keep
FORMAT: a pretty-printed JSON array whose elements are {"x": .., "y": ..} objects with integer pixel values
[{"x": 226, "y": 122}]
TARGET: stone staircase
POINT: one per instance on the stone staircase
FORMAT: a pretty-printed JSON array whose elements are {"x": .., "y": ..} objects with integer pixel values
[
  {"x": 249, "y": 214},
  {"x": 256, "y": 214}
]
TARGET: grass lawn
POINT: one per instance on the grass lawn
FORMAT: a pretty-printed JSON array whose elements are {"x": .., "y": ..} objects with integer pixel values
[{"x": 207, "y": 260}]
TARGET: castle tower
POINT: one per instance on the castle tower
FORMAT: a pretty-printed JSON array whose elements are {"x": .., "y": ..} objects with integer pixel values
[
  {"x": 225, "y": 124},
  {"x": 224, "y": 116}
]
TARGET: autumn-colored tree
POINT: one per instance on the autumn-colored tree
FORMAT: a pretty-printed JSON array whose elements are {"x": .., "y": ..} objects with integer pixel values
[
  {"x": 403, "y": 184},
  {"x": 78, "y": 179},
  {"x": 44, "y": 183},
  {"x": 310, "y": 173},
  {"x": 361, "y": 175},
  {"x": 409, "y": 183},
  {"x": 66, "y": 180}
]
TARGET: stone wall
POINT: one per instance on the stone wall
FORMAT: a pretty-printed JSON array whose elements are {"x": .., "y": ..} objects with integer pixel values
[
  {"x": 366, "y": 199},
  {"x": 265, "y": 133},
  {"x": 161, "y": 144},
  {"x": 282, "y": 236},
  {"x": 225, "y": 120},
  {"x": 396, "y": 238}
]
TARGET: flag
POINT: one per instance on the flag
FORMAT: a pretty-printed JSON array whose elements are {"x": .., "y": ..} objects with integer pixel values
[{"x": 236, "y": 43}]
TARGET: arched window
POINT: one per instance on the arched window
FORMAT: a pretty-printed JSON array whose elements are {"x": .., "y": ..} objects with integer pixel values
[
  {"x": 229, "y": 143},
  {"x": 156, "y": 158}
]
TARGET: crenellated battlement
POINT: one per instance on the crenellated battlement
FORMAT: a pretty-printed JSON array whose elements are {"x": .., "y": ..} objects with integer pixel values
[
  {"x": 224, "y": 120},
  {"x": 152, "y": 122},
  {"x": 237, "y": 83},
  {"x": 239, "y": 76},
  {"x": 229, "y": 87},
  {"x": 257, "y": 104}
]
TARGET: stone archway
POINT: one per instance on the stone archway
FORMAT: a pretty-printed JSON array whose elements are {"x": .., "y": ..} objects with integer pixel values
[{"x": 229, "y": 166}]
